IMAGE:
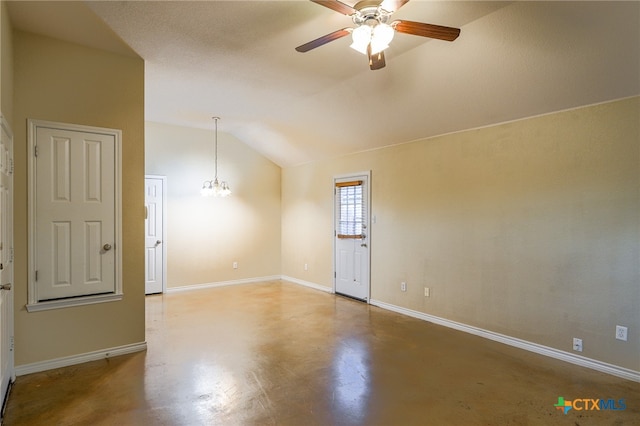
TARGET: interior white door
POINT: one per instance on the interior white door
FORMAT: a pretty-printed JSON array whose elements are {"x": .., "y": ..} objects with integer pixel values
[
  {"x": 6, "y": 260},
  {"x": 352, "y": 255},
  {"x": 154, "y": 235},
  {"x": 76, "y": 213}
]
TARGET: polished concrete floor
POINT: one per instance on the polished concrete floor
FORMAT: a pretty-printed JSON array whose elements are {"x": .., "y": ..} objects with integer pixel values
[{"x": 281, "y": 354}]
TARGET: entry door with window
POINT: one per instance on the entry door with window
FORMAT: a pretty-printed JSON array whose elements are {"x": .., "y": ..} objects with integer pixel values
[
  {"x": 154, "y": 188},
  {"x": 352, "y": 255},
  {"x": 6, "y": 260}
]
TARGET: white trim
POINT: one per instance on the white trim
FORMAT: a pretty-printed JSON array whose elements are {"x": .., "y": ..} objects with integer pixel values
[
  {"x": 593, "y": 364},
  {"x": 75, "y": 301},
  {"x": 164, "y": 227},
  {"x": 308, "y": 284},
  {"x": 32, "y": 295},
  {"x": 351, "y": 175},
  {"x": 221, "y": 284},
  {"x": 66, "y": 361}
]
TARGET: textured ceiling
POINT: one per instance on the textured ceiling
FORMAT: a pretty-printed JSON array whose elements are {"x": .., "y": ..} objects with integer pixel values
[{"x": 236, "y": 60}]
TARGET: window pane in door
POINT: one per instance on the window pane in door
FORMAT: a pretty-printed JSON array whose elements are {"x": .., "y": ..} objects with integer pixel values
[{"x": 350, "y": 211}]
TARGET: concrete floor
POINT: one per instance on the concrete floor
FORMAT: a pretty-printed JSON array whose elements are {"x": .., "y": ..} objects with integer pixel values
[{"x": 278, "y": 353}]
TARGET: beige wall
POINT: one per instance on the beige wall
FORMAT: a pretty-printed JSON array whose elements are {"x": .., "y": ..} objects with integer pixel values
[
  {"x": 530, "y": 228},
  {"x": 206, "y": 235},
  {"x": 6, "y": 64},
  {"x": 63, "y": 82}
]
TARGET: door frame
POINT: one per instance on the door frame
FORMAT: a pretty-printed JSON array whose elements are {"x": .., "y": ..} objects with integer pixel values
[
  {"x": 9, "y": 269},
  {"x": 164, "y": 228},
  {"x": 353, "y": 176},
  {"x": 33, "y": 304}
]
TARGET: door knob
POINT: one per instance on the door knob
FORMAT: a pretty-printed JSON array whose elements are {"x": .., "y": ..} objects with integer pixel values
[
  {"x": 106, "y": 247},
  {"x": 5, "y": 286},
  {"x": 158, "y": 242}
]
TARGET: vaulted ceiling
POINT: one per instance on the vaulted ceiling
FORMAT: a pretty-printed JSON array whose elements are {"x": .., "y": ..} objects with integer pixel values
[{"x": 236, "y": 60}]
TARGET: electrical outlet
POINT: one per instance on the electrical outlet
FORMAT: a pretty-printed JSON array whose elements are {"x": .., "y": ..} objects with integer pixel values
[
  {"x": 577, "y": 344},
  {"x": 306, "y": 267},
  {"x": 235, "y": 265},
  {"x": 427, "y": 292},
  {"x": 621, "y": 333},
  {"x": 403, "y": 286}
]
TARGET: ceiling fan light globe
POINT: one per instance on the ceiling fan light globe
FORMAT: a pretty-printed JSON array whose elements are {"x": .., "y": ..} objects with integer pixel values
[
  {"x": 361, "y": 37},
  {"x": 377, "y": 47},
  {"x": 382, "y": 35},
  {"x": 359, "y": 48},
  {"x": 361, "y": 34}
]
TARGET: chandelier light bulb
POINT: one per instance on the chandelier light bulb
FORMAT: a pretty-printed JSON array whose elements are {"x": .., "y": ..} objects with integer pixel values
[
  {"x": 208, "y": 188},
  {"x": 225, "y": 190}
]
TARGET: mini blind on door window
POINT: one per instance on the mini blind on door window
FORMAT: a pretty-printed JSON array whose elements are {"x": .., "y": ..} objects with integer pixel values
[{"x": 350, "y": 208}]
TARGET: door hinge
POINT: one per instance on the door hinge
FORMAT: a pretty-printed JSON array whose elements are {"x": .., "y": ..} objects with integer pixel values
[
  {"x": 36, "y": 275},
  {"x": 11, "y": 167},
  {"x": 35, "y": 150},
  {"x": 335, "y": 275}
]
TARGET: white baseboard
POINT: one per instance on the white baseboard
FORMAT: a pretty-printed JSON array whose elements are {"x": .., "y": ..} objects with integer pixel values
[
  {"x": 307, "y": 284},
  {"x": 37, "y": 367},
  {"x": 593, "y": 364},
  {"x": 222, "y": 284}
]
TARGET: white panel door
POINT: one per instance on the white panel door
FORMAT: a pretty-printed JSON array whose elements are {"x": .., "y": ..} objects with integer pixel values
[
  {"x": 154, "y": 235},
  {"x": 6, "y": 260},
  {"x": 351, "y": 236},
  {"x": 76, "y": 213}
]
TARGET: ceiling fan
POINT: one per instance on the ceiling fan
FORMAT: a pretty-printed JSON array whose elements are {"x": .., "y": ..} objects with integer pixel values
[{"x": 373, "y": 31}]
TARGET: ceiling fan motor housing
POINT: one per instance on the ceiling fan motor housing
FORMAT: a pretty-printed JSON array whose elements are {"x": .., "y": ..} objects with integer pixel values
[{"x": 369, "y": 12}]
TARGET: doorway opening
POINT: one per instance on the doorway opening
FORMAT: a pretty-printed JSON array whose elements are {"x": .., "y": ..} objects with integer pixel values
[{"x": 155, "y": 188}]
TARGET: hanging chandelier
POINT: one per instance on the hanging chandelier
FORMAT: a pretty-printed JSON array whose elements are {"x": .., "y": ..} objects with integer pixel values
[{"x": 214, "y": 187}]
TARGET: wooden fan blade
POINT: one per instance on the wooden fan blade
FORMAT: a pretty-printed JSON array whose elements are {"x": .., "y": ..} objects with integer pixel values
[
  {"x": 376, "y": 61},
  {"x": 336, "y": 5},
  {"x": 426, "y": 30},
  {"x": 323, "y": 40},
  {"x": 392, "y": 5}
]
